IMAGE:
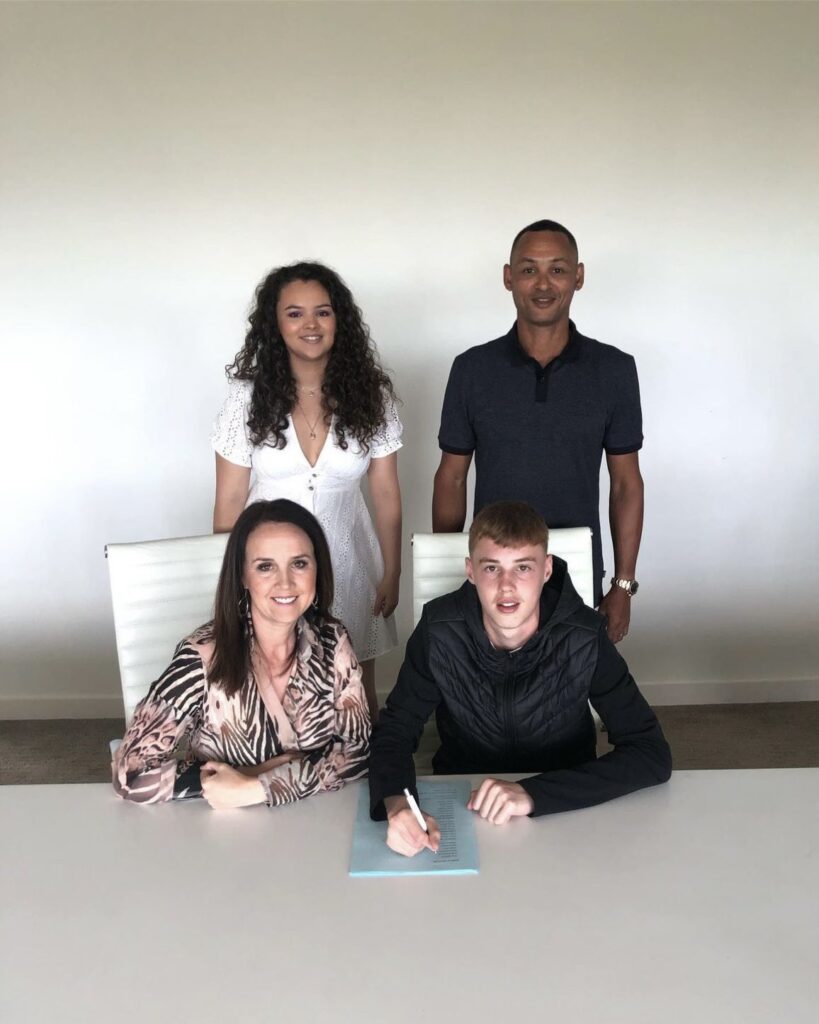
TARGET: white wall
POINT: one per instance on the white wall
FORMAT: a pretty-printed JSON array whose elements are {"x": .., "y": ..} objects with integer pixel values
[{"x": 158, "y": 159}]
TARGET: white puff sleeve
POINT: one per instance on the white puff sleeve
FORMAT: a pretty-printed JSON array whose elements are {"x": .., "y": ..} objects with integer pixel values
[
  {"x": 387, "y": 439},
  {"x": 229, "y": 437}
]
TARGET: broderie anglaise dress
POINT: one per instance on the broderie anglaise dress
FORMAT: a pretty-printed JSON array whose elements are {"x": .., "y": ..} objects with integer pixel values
[{"x": 331, "y": 490}]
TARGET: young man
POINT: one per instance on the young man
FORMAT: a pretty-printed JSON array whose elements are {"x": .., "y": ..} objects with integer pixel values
[
  {"x": 537, "y": 408},
  {"x": 509, "y": 663}
]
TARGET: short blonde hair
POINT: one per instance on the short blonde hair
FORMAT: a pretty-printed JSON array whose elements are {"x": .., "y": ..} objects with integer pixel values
[{"x": 512, "y": 524}]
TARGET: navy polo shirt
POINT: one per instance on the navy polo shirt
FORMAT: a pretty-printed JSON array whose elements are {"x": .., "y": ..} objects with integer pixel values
[{"x": 539, "y": 433}]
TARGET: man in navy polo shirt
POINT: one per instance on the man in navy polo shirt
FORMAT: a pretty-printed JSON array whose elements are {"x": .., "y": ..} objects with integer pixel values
[{"x": 537, "y": 408}]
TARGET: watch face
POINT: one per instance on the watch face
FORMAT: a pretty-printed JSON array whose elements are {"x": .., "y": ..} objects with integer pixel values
[{"x": 635, "y": 586}]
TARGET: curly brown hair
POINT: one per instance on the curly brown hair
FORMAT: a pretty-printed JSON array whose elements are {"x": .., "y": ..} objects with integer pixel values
[{"x": 355, "y": 388}]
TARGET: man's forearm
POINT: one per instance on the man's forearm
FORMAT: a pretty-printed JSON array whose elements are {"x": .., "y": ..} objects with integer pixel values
[
  {"x": 641, "y": 756},
  {"x": 391, "y": 766},
  {"x": 395, "y": 803},
  {"x": 448, "y": 505},
  {"x": 626, "y": 520}
]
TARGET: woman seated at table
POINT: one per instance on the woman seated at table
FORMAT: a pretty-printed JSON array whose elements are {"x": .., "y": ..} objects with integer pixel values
[{"x": 264, "y": 704}]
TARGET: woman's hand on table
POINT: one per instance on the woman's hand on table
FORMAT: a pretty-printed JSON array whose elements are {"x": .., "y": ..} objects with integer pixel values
[{"x": 224, "y": 787}]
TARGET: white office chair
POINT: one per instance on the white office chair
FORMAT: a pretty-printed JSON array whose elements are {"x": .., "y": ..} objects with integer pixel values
[
  {"x": 438, "y": 568},
  {"x": 161, "y": 590}
]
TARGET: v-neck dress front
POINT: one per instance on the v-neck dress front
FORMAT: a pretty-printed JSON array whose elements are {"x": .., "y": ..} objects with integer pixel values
[{"x": 331, "y": 490}]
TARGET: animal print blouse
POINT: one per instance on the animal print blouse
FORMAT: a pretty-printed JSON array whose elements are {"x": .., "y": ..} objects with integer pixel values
[{"x": 184, "y": 721}]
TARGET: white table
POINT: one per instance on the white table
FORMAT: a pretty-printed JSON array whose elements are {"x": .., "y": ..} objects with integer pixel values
[{"x": 695, "y": 902}]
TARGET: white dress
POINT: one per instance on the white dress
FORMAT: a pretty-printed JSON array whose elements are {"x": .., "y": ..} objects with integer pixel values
[{"x": 331, "y": 490}]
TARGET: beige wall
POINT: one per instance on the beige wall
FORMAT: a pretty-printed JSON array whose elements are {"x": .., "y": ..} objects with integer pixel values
[{"x": 157, "y": 159}]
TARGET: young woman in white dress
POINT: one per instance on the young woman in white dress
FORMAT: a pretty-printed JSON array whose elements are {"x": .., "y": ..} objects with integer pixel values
[{"x": 310, "y": 411}]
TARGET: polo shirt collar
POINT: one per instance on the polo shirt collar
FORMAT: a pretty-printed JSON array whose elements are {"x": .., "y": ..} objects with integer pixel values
[{"x": 518, "y": 357}]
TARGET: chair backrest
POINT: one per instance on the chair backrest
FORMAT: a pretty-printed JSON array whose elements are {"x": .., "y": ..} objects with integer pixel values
[
  {"x": 161, "y": 591},
  {"x": 438, "y": 563}
]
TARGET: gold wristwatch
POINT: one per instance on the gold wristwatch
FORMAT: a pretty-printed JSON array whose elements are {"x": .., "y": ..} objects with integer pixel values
[{"x": 630, "y": 586}]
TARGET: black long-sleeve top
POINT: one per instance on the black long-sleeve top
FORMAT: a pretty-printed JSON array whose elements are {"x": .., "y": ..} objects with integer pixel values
[{"x": 520, "y": 711}]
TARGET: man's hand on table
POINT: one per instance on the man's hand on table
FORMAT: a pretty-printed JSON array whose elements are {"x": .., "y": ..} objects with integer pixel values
[
  {"x": 404, "y": 834},
  {"x": 499, "y": 802}
]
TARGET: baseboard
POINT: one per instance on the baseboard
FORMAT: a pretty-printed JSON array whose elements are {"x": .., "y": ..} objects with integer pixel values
[
  {"x": 658, "y": 694},
  {"x": 731, "y": 692},
  {"x": 52, "y": 706}
]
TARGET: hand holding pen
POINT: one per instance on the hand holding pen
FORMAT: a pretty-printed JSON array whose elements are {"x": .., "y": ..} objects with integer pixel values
[{"x": 409, "y": 830}]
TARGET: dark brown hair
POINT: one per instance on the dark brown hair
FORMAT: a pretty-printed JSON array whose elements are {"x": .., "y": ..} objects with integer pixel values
[
  {"x": 512, "y": 524},
  {"x": 355, "y": 388},
  {"x": 230, "y": 666}
]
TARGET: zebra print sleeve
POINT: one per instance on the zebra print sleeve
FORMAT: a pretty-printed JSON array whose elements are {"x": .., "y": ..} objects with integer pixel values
[
  {"x": 151, "y": 765},
  {"x": 344, "y": 757}
]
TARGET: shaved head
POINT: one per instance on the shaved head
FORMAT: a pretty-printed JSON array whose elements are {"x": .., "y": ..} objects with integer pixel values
[{"x": 545, "y": 225}]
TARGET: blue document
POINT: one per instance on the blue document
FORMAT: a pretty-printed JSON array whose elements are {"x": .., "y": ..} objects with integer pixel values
[{"x": 457, "y": 854}]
